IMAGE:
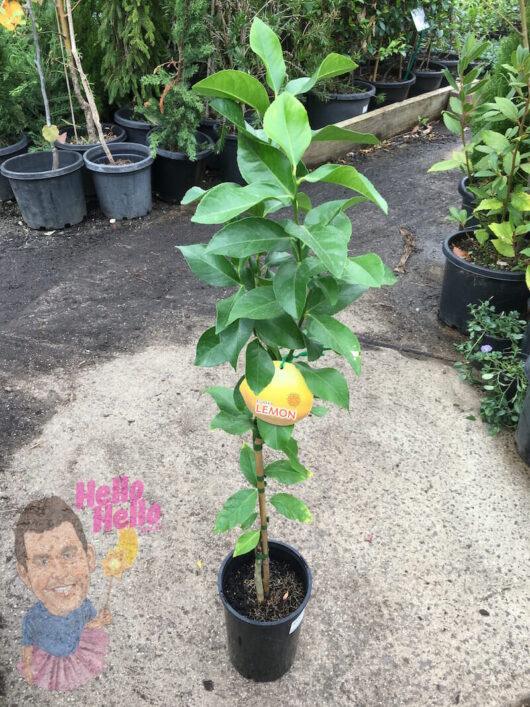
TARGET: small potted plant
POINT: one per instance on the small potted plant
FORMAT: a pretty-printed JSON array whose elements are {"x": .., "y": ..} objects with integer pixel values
[
  {"x": 48, "y": 187},
  {"x": 290, "y": 279},
  {"x": 490, "y": 259}
]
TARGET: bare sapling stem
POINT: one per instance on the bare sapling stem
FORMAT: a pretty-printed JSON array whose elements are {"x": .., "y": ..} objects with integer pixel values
[
  {"x": 377, "y": 56},
  {"x": 67, "y": 79},
  {"x": 264, "y": 542},
  {"x": 83, "y": 103},
  {"x": 55, "y": 152},
  {"x": 524, "y": 26},
  {"x": 86, "y": 85}
]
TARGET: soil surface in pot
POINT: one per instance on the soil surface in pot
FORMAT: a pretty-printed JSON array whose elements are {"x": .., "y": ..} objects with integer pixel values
[
  {"x": 286, "y": 592},
  {"x": 83, "y": 139},
  {"x": 470, "y": 249}
]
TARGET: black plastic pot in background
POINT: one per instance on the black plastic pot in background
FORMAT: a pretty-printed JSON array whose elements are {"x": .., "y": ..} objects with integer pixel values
[
  {"x": 427, "y": 80},
  {"x": 468, "y": 201},
  {"x": 259, "y": 650},
  {"x": 228, "y": 161},
  {"x": 136, "y": 129},
  {"x": 174, "y": 173},
  {"x": 209, "y": 126},
  {"x": 17, "y": 148},
  {"x": 119, "y": 136},
  {"x": 339, "y": 106},
  {"x": 465, "y": 283},
  {"x": 522, "y": 434},
  {"x": 394, "y": 91},
  {"x": 123, "y": 190},
  {"x": 47, "y": 198},
  {"x": 450, "y": 61}
]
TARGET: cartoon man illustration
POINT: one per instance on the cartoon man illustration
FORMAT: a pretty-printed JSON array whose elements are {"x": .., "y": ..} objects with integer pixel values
[{"x": 63, "y": 641}]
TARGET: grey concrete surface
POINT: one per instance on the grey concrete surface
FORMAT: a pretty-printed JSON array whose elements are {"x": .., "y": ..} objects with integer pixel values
[{"x": 420, "y": 542}]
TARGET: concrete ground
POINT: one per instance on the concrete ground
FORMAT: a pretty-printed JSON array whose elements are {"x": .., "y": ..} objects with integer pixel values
[{"x": 419, "y": 547}]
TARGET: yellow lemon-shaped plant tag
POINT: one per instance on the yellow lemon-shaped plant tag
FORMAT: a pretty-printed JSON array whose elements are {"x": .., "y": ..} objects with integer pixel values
[{"x": 284, "y": 401}]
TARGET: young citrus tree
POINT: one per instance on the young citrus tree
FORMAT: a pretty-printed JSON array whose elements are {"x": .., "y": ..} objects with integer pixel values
[{"x": 291, "y": 275}]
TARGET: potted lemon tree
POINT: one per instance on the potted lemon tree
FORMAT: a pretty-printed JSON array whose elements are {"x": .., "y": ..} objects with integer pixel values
[{"x": 291, "y": 276}]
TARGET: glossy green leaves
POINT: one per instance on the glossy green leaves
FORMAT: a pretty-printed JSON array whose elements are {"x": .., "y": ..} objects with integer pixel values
[
  {"x": 265, "y": 43},
  {"x": 286, "y": 123},
  {"x": 236, "y": 510},
  {"x": 234, "y": 85}
]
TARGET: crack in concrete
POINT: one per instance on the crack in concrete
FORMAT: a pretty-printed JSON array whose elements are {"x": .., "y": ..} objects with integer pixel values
[{"x": 405, "y": 350}]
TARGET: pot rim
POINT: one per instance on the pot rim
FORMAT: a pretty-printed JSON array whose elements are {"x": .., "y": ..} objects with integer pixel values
[
  {"x": 118, "y": 131},
  {"x": 75, "y": 158},
  {"x": 397, "y": 84},
  {"x": 15, "y": 146},
  {"x": 131, "y": 148},
  {"x": 356, "y": 96},
  {"x": 182, "y": 156},
  {"x": 504, "y": 275},
  {"x": 267, "y": 624},
  {"x": 423, "y": 73},
  {"x": 126, "y": 122}
]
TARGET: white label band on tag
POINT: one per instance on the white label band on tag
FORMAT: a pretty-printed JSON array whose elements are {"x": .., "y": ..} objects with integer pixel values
[
  {"x": 418, "y": 17},
  {"x": 296, "y": 623}
]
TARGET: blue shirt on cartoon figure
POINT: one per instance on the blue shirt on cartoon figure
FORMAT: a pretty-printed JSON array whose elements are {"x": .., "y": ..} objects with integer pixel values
[{"x": 57, "y": 635}]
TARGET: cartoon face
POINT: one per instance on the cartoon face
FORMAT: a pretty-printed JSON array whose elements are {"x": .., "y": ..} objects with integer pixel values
[{"x": 58, "y": 568}]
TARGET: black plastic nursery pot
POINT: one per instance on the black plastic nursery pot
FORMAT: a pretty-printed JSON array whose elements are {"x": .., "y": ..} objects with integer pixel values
[
  {"x": 119, "y": 136},
  {"x": 522, "y": 434},
  {"x": 259, "y": 650},
  {"x": 427, "y": 80},
  {"x": 393, "y": 91},
  {"x": 47, "y": 198},
  {"x": 465, "y": 283},
  {"x": 174, "y": 173},
  {"x": 228, "y": 161},
  {"x": 123, "y": 190},
  {"x": 209, "y": 126},
  {"x": 339, "y": 106},
  {"x": 17, "y": 148},
  {"x": 136, "y": 130},
  {"x": 468, "y": 201}
]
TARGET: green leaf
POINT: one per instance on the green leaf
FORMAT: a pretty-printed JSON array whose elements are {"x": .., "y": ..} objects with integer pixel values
[
  {"x": 260, "y": 162},
  {"x": 259, "y": 303},
  {"x": 527, "y": 276},
  {"x": 224, "y": 397},
  {"x": 237, "y": 86},
  {"x": 284, "y": 472},
  {"x": 507, "y": 108},
  {"x": 336, "y": 336},
  {"x": 328, "y": 212},
  {"x": 503, "y": 231},
  {"x": 227, "y": 200},
  {"x": 452, "y": 123},
  {"x": 248, "y": 465},
  {"x": 224, "y": 307},
  {"x": 291, "y": 507},
  {"x": 275, "y": 436},
  {"x": 246, "y": 542},
  {"x": 389, "y": 277},
  {"x": 210, "y": 351},
  {"x": 246, "y": 237},
  {"x": 333, "y": 132},
  {"x": 327, "y": 242},
  {"x": 230, "y": 110},
  {"x": 287, "y": 124},
  {"x": 367, "y": 270},
  {"x": 236, "y": 510},
  {"x": 249, "y": 521},
  {"x": 234, "y": 337},
  {"x": 444, "y": 165},
  {"x": 304, "y": 202},
  {"x": 333, "y": 65},
  {"x": 290, "y": 287},
  {"x": 280, "y": 332},
  {"x": 192, "y": 195},
  {"x": 259, "y": 368},
  {"x": 489, "y": 205},
  {"x": 326, "y": 384},
  {"x": 521, "y": 201},
  {"x": 495, "y": 140},
  {"x": 232, "y": 424},
  {"x": 265, "y": 43},
  {"x": 347, "y": 176},
  {"x": 215, "y": 270},
  {"x": 504, "y": 248},
  {"x": 319, "y": 410},
  {"x": 50, "y": 133}
]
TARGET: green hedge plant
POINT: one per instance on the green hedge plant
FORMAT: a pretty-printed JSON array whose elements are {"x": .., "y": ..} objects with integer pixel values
[{"x": 290, "y": 272}]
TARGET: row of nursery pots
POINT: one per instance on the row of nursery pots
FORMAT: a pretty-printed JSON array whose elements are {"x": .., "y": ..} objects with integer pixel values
[{"x": 465, "y": 283}]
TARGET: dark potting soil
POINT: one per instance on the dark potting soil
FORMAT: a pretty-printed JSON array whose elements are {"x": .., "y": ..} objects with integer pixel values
[
  {"x": 82, "y": 138},
  {"x": 486, "y": 255},
  {"x": 285, "y": 595},
  {"x": 122, "y": 161}
]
